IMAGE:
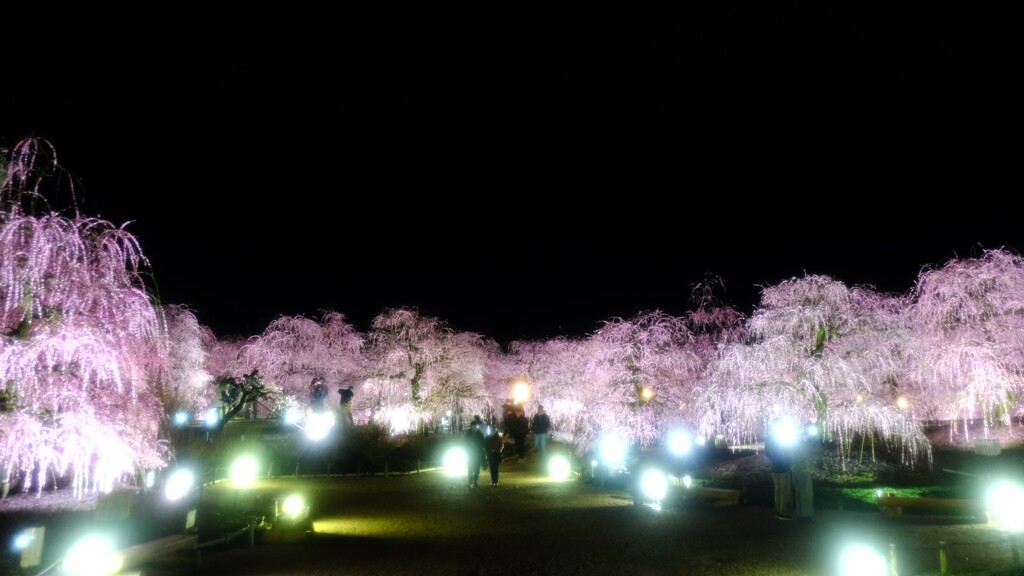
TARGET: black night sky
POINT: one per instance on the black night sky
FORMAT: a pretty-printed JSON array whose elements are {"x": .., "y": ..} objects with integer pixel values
[{"x": 532, "y": 175}]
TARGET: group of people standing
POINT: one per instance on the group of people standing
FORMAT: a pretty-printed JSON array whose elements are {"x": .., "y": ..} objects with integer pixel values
[
  {"x": 318, "y": 395},
  {"x": 490, "y": 448},
  {"x": 789, "y": 453}
]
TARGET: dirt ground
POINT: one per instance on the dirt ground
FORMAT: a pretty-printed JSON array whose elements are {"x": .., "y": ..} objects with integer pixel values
[{"x": 431, "y": 523}]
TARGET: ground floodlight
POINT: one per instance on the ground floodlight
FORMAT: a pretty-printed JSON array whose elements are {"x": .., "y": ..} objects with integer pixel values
[
  {"x": 455, "y": 461},
  {"x": 294, "y": 508},
  {"x": 180, "y": 418},
  {"x": 654, "y": 484},
  {"x": 179, "y": 484},
  {"x": 785, "y": 432},
  {"x": 92, "y": 556},
  {"x": 558, "y": 467},
  {"x": 679, "y": 442},
  {"x": 1006, "y": 503},
  {"x": 861, "y": 560},
  {"x": 292, "y": 415},
  {"x": 319, "y": 424},
  {"x": 243, "y": 470},
  {"x": 211, "y": 417},
  {"x": 613, "y": 450}
]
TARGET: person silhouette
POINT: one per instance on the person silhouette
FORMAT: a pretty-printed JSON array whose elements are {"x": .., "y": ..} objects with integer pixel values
[
  {"x": 345, "y": 403},
  {"x": 475, "y": 451}
]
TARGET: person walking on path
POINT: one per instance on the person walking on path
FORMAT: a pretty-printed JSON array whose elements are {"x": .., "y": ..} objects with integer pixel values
[
  {"x": 803, "y": 485},
  {"x": 540, "y": 425},
  {"x": 778, "y": 448},
  {"x": 495, "y": 444},
  {"x": 517, "y": 425},
  {"x": 475, "y": 452}
]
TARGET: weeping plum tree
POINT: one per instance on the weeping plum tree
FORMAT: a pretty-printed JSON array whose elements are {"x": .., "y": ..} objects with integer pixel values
[
  {"x": 573, "y": 390},
  {"x": 80, "y": 340},
  {"x": 419, "y": 368},
  {"x": 820, "y": 352},
  {"x": 649, "y": 371},
  {"x": 185, "y": 383},
  {"x": 966, "y": 351},
  {"x": 294, "y": 349},
  {"x": 555, "y": 371}
]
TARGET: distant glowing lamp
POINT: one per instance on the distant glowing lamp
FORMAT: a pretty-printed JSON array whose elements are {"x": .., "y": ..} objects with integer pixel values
[
  {"x": 520, "y": 392},
  {"x": 92, "y": 556},
  {"x": 646, "y": 393},
  {"x": 294, "y": 508},
  {"x": 180, "y": 418},
  {"x": 687, "y": 481},
  {"x": 679, "y": 443},
  {"x": 902, "y": 403},
  {"x": 455, "y": 462},
  {"x": 211, "y": 417},
  {"x": 860, "y": 560},
  {"x": 785, "y": 432},
  {"x": 179, "y": 484},
  {"x": 558, "y": 467},
  {"x": 319, "y": 424},
  {"x": 243, "y": 470},
  {"x": 654, "y": 484},
  {"x": 613, "y": 450},
  {"x": 1006, "y": 503},
  {"x": 292, "y": 415}
]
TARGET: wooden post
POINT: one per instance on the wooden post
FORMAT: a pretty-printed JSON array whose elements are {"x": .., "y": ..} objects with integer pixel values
[{"x": 943, "y": 560}]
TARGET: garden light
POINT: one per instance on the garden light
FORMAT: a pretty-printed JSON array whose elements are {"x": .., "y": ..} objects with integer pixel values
[
  {"x": 785, "y": 432},
  {"x": 294, "y": 508},
  {"x": 243, "y": 470},
  {"x": 319, "y": 424},
  {"x": 558, "y": 467},
  {"x": 1005, "y": 501},
  {"x": 454, "y": 461},
  {"x": 180, "y": 418},
  {"x": 612, "y": 451},
  {"x": 654, "y": 485},
  {"x": 179, "y": 484},
  {"x": 860, "y": 560},
  {"x": 92, "y": 556},
  {"x": 211, "y": 417},
  {"x": 679, "y": 443}
]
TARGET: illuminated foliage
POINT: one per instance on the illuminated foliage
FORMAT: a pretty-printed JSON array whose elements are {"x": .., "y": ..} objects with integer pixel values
[
  {"x": 820, "y": 352},
  {"x": 418, "y": 370},
  {"x": 81, "y": 343},
  {"x": 294, "y": 349},
  {"x": 966, "y": 353}
]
